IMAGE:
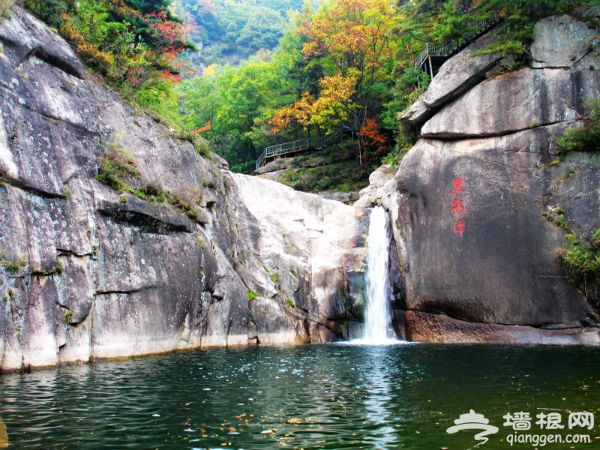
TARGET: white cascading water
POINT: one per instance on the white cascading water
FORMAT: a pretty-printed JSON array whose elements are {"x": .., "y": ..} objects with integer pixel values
[{"x": 378, "y": 327}]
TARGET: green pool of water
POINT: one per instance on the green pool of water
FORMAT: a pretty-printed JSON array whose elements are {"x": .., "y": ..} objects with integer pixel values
[{"x": 321, "y": 396}]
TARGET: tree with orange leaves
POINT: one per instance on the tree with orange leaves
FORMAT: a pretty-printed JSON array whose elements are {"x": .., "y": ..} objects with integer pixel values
[
  {"x": 372, "y": 137},
  {"x": 327, "y": 112},
  {"x": 350, "y": 42}
]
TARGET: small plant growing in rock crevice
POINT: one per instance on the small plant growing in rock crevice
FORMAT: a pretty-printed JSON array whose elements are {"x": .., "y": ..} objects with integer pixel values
[
  {"x": 150, "y": 192},
  {"x": 56, "y": 270},
  {"x": 586, "y": 138},
  {"x": 580, "y": 257},
  {"x": 184, "y": 206},
  {"x": 556, "y": 218},
  {"x": 251, "y": 295},
  {"x": 582, "y": 260},
  {"x": 201, "y": 145},
  {"x": 5, "y": 6},
  {"x": 10, "y": 266},
  {"x": 13, "y": 266},
  {"x": 154, "y": 191},
  {"x": 275, "y": 278},
  {"x": 117, "y": 168},
  {"x": 68, "y": 316},
  {"x": 290, "y": 303}
]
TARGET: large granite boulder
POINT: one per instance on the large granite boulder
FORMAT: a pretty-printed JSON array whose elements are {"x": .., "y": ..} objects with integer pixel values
[
  {"x": 563, "y": 42},
  {"x": 476, "y": 190},
  {"x": 478, "y": 245},
  {"x": 455, "y": 77},
  {"x": 517, "y": 101},
  {"x": 90, "y": 273},
  {"x": 304, "y": 243}
]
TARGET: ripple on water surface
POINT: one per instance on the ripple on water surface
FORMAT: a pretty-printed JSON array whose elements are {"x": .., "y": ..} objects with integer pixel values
[{"x": 329, "y": 396}]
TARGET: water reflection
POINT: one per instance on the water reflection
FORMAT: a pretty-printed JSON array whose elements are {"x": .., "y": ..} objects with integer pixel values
[
  {"x": 328, "y": 396},
  {"x": 379, "y": 398}
]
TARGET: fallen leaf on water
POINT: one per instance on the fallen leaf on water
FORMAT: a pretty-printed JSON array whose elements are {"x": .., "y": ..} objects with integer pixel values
[{"x": 3, "y": 435}]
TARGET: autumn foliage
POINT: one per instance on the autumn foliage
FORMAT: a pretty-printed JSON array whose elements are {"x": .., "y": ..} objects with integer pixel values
[
  {"x": 326, "y": 112},
  {"x": 372, "y": 136},
  {"x": 354, "y": 35},
  {"x": 203, "y": 129},
  {"x": 350, "y": 42},
  {"x": 128, "y": 42}
]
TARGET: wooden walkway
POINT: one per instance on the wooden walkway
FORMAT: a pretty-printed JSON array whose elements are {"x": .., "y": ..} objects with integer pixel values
[
  {"x": 435, "y": 54},
  {"x": 288, "y": 148}
]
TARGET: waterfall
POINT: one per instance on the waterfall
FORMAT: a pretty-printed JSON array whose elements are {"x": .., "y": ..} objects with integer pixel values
[{"x": 378, "y": 327}]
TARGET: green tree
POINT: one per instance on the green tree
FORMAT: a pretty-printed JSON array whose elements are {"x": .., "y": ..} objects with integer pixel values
[
  {"x": 262, "y": 30},
  {"x": 149, "y": 6},
  {"x": 230, "y": 31},
  {"x": 51, "y": 11},
  {"x": 349, "y": 43},
  {"x": 237, "y": 102}
]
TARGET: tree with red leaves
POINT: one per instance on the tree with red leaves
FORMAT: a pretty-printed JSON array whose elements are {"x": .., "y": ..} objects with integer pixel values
[{"x": 350, "y": 42}]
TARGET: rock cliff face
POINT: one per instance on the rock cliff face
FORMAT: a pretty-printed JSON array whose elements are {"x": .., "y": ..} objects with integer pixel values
[
  {"x": 87, "y": 273},
  {"x": 470, "y": 198},
  {"x": 215, "y": 259},
  {"x": 311, "y": 248}
]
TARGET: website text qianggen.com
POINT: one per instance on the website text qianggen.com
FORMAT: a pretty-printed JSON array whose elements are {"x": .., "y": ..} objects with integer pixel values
[{"x": 541, "y": 440}]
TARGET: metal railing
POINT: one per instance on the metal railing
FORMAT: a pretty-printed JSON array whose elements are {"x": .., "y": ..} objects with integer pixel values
[
  {"x": 450, "y": 48},
  {"x": 287, "y": 147},
  {"x": 433, "y": 49}
]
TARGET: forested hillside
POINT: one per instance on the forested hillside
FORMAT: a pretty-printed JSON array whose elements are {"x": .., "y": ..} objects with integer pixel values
[
  {"x": 133, "y": 44},
  {"x": 118, "y": 239},
  {"x": 341, "y": 71},
  {"x": 231, "y": 31},
  {"x": 344, "y": 72}
]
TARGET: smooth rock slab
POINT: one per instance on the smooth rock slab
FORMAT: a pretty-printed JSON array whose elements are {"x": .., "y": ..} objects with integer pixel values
[
  {"x": 476, "y": 243},
  {"x": 514, "y": 102},
  {"x": 438, "y": 328},
  {"x": 561, "y": 41}
]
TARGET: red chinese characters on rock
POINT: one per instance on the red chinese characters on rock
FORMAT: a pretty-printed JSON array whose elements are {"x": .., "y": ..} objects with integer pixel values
[
  {"x": 459, "y": 227},
  {"x": 458, "y": 189},
  {"x": 458, "y": 206}
]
